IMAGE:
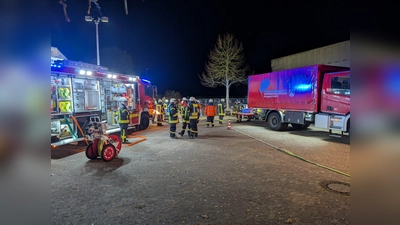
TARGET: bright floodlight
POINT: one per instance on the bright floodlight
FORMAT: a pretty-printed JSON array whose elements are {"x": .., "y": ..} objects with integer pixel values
[
  {"x": 82, "y": 72},
  {"x": 88, "y": 18},
  {"x": 104, "y": 19}
]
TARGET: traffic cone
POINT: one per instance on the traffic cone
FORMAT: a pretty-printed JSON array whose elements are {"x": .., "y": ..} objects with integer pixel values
[{"x": 229, "y": 124}]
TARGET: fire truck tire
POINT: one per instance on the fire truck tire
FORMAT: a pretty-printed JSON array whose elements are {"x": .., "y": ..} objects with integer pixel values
[
  {"x": 144, "y": 122},
  {"x": 108, "y": 153},
  {"x": 90, "y": 154},
  {"x": 274, "y": 122}
]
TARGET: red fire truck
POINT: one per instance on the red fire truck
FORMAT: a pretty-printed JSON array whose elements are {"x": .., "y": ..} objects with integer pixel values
[
  {"x": 316, "y": 94},
  {"x": 81, "y": 90}
]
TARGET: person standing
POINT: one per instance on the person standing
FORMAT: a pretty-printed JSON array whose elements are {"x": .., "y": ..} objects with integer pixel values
[
  {"x": 193, "y": 110},
  {"x": 185, "y": 116},
  {"x": 173, "y": 117},
  {"x": 210, "y": 111},
  {"x": 166, "y": 113},
  {"x": 221, "y": 111},
  {"x": 123, "y": 120},
  {"x": 160, "y": 112}
]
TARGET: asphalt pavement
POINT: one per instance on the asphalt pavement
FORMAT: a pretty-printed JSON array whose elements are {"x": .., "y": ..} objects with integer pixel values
[{"x": 245, "y": 175}]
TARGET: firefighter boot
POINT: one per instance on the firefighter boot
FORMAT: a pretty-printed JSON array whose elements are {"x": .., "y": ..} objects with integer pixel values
[{"x": 182, "y": 133}]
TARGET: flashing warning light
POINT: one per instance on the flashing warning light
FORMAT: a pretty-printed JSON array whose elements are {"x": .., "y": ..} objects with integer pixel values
[
  {"x": 82, "y": 72},
  {"x": 146, "y": 81},
  {"x": 89, "y": 73},
  {"x": 114, "y": 76},
  {"x": 303, "y": 87},
  {"x": 57, "y": 64},
  {"x": 109, "y": 75},
  {"x": 132, "y": 78}
]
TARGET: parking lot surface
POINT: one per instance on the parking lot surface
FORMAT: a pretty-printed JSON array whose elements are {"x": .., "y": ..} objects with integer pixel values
[{"x": 236, "y": 176}]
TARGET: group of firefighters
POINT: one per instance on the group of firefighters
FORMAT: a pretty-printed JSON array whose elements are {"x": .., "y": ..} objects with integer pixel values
[{"x": 189, "y": 110}]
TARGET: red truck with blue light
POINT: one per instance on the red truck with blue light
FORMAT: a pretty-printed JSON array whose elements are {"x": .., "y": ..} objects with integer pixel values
[{"x": 318, "y": 94}]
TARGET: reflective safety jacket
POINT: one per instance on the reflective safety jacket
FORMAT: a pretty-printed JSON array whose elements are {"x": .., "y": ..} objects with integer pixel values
[
  {"x": 183, "y": 106},
  {"x": 160, "y": 108},
  {"x": 221, "y": 111},
  {"x": 165, "y": 109},
  {"x": 210, "y": 110},
  {"x": 173, "y": 113},
  {"x": 185, "y": 114},
  {"x": 123, "y": 114},
  {"x": 194, "y": 111}
]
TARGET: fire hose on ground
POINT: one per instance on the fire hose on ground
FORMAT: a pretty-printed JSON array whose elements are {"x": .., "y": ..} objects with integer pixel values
[{"x": 294, "y": 155}]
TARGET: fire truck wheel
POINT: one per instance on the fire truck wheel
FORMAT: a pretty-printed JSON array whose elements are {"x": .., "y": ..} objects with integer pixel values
[
  {"x": 144, "y": 122},
  {"x": 117, "y": 142},
  {"x": 90, "y": 154},
  {"x": 274, "y": 122},
  {"x": 108, "y": 153}
]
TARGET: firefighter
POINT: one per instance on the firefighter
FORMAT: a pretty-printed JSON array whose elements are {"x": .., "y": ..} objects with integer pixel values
[
  {"x": 185, "y": 116},
  {"x": 210, "y": 112},
  {"x": 173, "y": 117},
  {"x": 123, "y": 120},
  {"x": 160, "y": 112},
  {"x": 238, "y": 106},
  {"x": 166, "y": 114},
  {"x": 200, "y": 109},
  {"x": 193, "y": 110},
  {"x": 221, "y": 111}
]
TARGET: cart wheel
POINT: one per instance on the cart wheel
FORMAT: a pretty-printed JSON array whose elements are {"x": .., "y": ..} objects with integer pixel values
[
  {"x": 108, "y": 153},
  {"x": 90, "y": 154},
  {"x": 117, "y": 142}
]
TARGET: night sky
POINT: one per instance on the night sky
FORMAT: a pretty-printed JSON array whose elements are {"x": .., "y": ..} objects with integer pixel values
[{"x": 173, "y": 38}]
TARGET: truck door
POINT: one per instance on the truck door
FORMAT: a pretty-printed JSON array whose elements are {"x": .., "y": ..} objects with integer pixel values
[{"x": 335, "y": 96}]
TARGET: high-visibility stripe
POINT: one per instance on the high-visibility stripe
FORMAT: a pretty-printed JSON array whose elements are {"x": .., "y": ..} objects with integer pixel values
[
  {"x": 119, "y": 116},
  {"x": 220, "y": 111}
]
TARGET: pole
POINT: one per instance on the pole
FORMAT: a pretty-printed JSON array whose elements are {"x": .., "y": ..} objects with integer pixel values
[{"x": 97, "y": 40}]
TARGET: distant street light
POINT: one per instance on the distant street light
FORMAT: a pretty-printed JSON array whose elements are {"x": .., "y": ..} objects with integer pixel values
[{"x": 103, "y": 19}]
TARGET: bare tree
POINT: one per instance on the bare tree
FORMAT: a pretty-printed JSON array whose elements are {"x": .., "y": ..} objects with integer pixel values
[
  {"x": 172, "y": 94},
  {"x": 226, "y": 65}
]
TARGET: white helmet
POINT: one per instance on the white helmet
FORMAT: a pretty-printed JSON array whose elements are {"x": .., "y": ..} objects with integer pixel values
[
  {"x": 184, "y": 99},
  {"x": 210, "y": 100},
  {"x": 192, "y": 99},
  {"x": 166, "y": 100},
  {"x": 172, "y": 100},
  {"x": 222, "y": 100},
  {"x": 159, "y": 101}
]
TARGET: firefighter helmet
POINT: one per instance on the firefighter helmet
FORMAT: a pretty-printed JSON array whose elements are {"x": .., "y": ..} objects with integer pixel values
[
  {"x": 159, "y": 101},
  {"x": 184, "y": 99},
  {"x": 210, "y": 101},
  {"x": 192, "y": 99},
  {"x": 172, "y": 100},
  {"x": 166, "y": 100},
  {"x": 222, "y": 100}
]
